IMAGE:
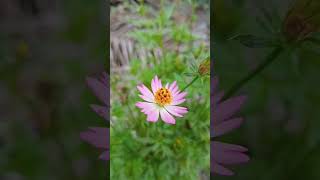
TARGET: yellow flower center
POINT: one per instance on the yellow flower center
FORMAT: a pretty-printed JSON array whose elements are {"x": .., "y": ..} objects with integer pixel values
[{"x": 163, "y": 97}]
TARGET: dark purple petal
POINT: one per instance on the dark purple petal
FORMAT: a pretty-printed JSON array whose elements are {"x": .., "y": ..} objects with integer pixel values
[
  {"x": 221, "y": 153},
  {"x": 105, "y": 155},
  {"x": 214, "y": 85},
  {"x": 105, "y": 79},
  {"x": 216, "y": 99},
  {"x": 228, "y": 147},
  {"x": 99, "y": 89},
  {"x": 230, "y": 157},
  {"x": 226, "y": 126},
  {"x": 98, "y": 137},
  {"x": 102, "y": 111},
  {"x": 219, "y": 169},
  {"x": 227, "y": 108},
  {"x": 227, "y": 154}
]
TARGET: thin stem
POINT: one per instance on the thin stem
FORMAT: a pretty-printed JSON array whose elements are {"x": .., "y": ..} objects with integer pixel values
[
  {"x": 269, "y": 59},
  {"x": 130, "y": 111},
  {"x": 193, "y": 80}
]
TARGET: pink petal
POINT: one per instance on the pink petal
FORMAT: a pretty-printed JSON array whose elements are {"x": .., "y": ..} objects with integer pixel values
[
  {"x": 175, "y": 90},
  {"x": 146, "y": 92},
  {"x": 175, "y": 93},
  {"x": 146, "y": 98},
  {"x": 176, "y": 110},
  {"x": 176, "y": 102},
  {"x": 146, "y": 107},
  {"x": 167, "y": 86},
  {"x": 154, "y": 85},
  {"x": 166, "y": 117},
  {"x": 225, "y": 126},
  {"x": 179, "y": 96},
  {"x": 159, "y": 84},
  {"x": 173, "y": 112},
  {"x": 181, "y": 110},
  {"x": 153, "y": 115},
  {"x": 172, "y": 86}
]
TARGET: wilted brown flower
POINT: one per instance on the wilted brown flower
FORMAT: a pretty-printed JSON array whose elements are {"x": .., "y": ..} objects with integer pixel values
[{"x": 302, "y": 19}]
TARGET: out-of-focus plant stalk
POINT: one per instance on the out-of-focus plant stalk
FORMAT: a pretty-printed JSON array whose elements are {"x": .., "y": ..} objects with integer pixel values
[
  {"x": 302, "y": 19},
  {"x": 124, "y": 98},
  {"x": 161, "y": 43},
  {"x": 269, "y": 59},
  {"x": 193, "y": 7}
]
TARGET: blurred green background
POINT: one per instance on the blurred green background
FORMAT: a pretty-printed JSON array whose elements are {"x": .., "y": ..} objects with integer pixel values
[
  {"x": 47, "y": 48},
  {"x": 281, "y": 128}
]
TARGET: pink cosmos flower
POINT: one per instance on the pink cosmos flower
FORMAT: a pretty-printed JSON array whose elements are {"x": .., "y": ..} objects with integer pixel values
[
  {"x": 163, "y": 101},
  {"x": 222, "y": 122},
  {"x": 99, "y": 136}
]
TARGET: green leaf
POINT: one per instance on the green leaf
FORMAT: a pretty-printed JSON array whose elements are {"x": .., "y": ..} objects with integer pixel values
[
  {"x": 252, "y": 41},
  {"x": 189, "y": 74},
  {"x": 168, "y": 12}
]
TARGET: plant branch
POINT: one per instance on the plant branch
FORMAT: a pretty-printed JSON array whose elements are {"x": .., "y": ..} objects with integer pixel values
[
  {"x": 193, "y": 80},
  {"x": 269, "y": 59}
]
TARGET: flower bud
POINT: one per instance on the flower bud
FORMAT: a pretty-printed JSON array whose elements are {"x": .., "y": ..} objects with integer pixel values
[
  {"x": 204, "y": 68},
  {"x": 302, "y": 19}
]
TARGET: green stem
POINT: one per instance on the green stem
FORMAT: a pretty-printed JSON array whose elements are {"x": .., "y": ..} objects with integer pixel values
[
  {"x": 130, "y": 111},
  {"x": 193, "y": 80},
  {"x": 270, "y": 58}
]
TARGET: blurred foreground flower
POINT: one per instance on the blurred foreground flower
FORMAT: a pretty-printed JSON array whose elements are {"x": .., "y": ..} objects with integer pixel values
[
  {"x": 97, "y": 136},
  {"x": 162, "y": 100},
  {"x": 302, "y": 19},
  {"x": 222, "y": 122}
]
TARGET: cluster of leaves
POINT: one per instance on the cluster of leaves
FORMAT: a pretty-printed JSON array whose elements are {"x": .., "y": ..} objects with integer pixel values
[{"x": 143, "y": 150}]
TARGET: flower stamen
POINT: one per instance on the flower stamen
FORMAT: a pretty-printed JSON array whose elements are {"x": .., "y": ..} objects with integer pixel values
[{"x": 163, "y": 97}]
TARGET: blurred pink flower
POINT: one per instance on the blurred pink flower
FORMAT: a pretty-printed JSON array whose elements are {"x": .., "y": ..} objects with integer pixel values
[
  {"x": 162, "y": 100},
  {"x": 98, "y": 136},
  {"x": 222, "y": 122}
]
